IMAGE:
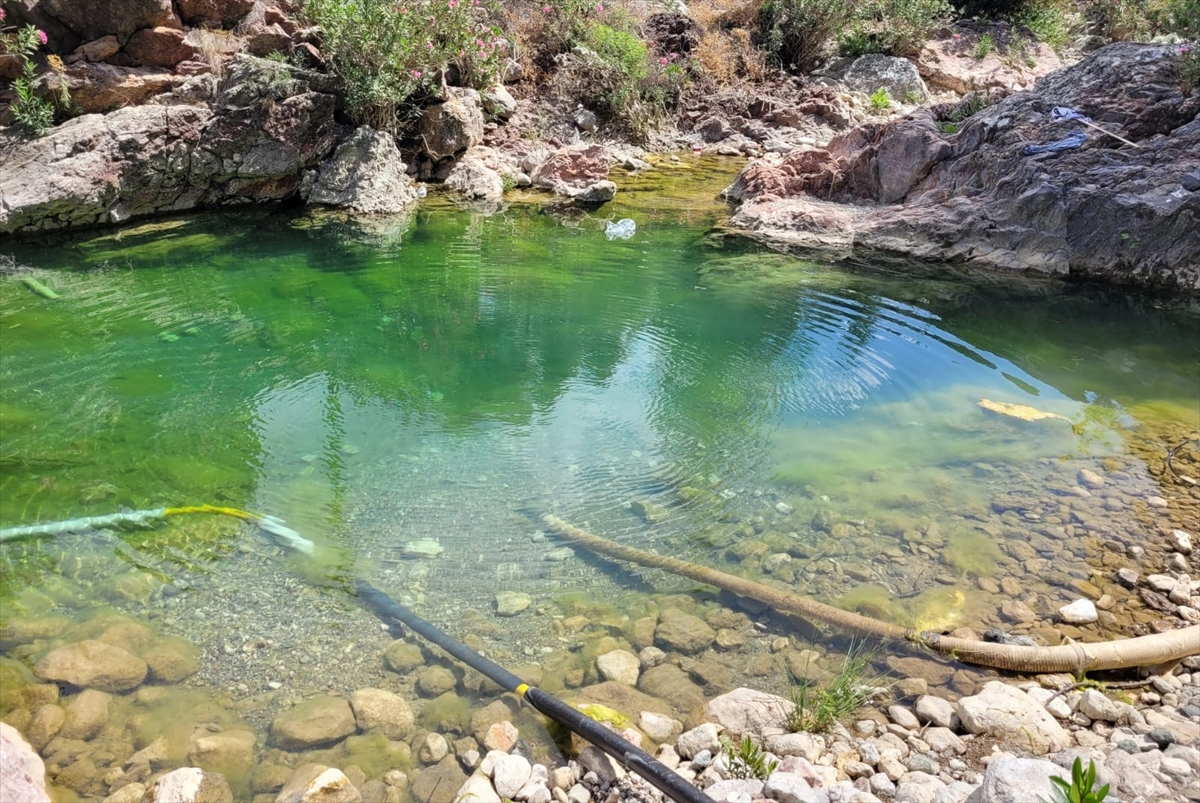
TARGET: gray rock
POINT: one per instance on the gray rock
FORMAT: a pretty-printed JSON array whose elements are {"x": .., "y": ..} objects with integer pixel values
[
  {"x": 896, "y": 76},
  {"x": 365, "y": 174},
  {"x": 593, "y": 759},
  {"x": 1134, "y": 779},
  {"x": 1018, "y": 780},
  {"x": 919, "y": 787},
  {"x": 452, "y": 126},
  {"x": 748, "y": 712},
  {"x": 935, "y": 711},
  {"x": 745, "y": 789},
  {"x": 944, "y": 741},
  {"x": 585, "y": 120},
  {"x": 595, "y": 194},
  {"x": 1007, "y": 713},
  {"x": 1180, "y": 541},
  {"x": 499, "y": 103},
  {"x": 705, "y": 737},
  {"x": 788, "y": 787},
  {"x": 1095, "y": 705},
  {"x": 1127, "y": 577},
  {"x": 903, "y": 717},
  {"x": 1090, "y": 479},
  {"x": 809, "y": 746},
  {"x": 475, "y": 175}
]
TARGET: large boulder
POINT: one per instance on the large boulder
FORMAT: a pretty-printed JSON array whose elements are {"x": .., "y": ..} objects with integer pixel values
[
  {"x": 1005, "y": 712},
  {"x": 366, "y": 174},
  {"x": 898, "y": 77},
  {"x": 746, "y": 712},
  {"x": 476, "y": 175},
  {"x": 269, "y": 124},
  {"x": 1016, "y": 780},
  {"x": 22, "y": 773},
  {"x": 91, "y": 19},
  {"x": 968, "y": 192},
  {"x": 452, "y": 126},
  {"x": 92, "y": 664}
]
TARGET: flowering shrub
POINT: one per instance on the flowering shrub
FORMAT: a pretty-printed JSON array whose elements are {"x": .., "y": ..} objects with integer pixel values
[
  {"x": 33, "y": 113},
  {"x": 389, "y": 53},
  {"x": 1187, "y": 59}
]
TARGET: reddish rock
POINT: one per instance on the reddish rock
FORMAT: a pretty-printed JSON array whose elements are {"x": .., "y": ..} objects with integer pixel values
[
  {"x": 213, "y": 13},
  {"x": 104, "y": 87},
  {"x": 93, "y": 19},
  {"x": 945, "y": 188},
  {"x": 576, "y": 166},
  {"x": 159, "y": 47}
]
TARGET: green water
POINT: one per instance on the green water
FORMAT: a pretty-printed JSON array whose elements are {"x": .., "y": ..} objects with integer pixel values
[{"x": 443, "y": 377}]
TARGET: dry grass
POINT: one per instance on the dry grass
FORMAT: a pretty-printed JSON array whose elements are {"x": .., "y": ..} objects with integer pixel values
[
  {"x": 726, "y": 52},
  {"x": 215, "y": 47}
]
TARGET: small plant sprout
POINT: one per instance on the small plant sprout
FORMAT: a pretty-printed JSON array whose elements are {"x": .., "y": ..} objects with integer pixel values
[
  {"x": 746, "y": 759},
  {"x": 984, "y": 46},
  {"x": 880, "y": 100},
  {"x": 1080, "y": 789}
]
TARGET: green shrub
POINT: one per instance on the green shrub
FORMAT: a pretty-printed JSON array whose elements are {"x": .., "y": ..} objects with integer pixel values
[
  {"x": 894, "y": 27},
  {"x": 389, "y": 53},
  {"x": 794, "y": 32},
  {"x": 1047, "y": 20},
  {"x": 880, "y": 100},
  {"x": 984, "y": 46},
  {"x": 1187, "y": 60}
]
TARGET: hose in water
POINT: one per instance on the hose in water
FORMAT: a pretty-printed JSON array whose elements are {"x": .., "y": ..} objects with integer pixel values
[
  {"x": 633, "y": 758},
  {"x": 273, "y": 527},
  {"x": 1153, "y": 650}
]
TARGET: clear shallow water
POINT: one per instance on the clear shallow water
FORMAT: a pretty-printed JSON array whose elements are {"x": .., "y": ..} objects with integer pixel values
[{"x": 444, "y": 378}]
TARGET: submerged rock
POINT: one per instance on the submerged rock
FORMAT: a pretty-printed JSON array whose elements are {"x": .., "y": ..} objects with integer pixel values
[{"x": 93, "y": 664}]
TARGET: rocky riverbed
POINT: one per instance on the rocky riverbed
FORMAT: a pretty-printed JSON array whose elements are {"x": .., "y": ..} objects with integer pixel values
[{"x": 256, "y": 673}]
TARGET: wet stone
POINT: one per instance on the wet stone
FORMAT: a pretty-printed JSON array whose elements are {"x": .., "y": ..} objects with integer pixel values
[
  {"x": 402, "y": 657},
  {"x": 436, "y": 680},
  {"x": 511, "y": 603}
]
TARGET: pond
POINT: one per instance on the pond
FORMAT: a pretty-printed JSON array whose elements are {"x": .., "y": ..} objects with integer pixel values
[{"x": 411, "y": 395}]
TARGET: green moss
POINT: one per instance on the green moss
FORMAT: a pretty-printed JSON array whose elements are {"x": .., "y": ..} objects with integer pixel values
[{"x": 972, "y": 553}]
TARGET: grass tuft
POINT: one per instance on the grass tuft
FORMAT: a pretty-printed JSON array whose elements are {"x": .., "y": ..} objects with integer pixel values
[{"x": 817, "y": 707}]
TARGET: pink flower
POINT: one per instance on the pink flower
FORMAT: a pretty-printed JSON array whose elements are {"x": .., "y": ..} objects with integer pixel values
[
  {"x": 662, "y": 60},
  {"x": 41, "y": 37},
  {"x": 600, "y": 8},
  {"x": 453, "y": 4},
  {"x": 545, "y": 9},
  {"x": 1, "y": 15},
  {"x": 416, "y": 73},
  {"x": 429, "y": 45},
  {"x": 403, "y": 9}
]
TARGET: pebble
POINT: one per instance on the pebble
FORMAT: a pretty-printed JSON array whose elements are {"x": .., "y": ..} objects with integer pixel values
[
  {"x": 1181, "y": 541},
  {"x": 1079, "y": 612}
]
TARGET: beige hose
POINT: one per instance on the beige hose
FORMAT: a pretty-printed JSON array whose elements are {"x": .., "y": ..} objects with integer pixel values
[{"x": 1153, "y": 650}]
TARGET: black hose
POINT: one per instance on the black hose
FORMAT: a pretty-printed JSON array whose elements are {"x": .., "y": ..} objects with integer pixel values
[{"x": 632, "y": 758}]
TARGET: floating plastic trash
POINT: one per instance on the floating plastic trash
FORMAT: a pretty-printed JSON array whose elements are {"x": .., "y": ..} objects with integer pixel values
[
  {"x": 621, "y": 230},
  {"x": 421, "y": 191}
]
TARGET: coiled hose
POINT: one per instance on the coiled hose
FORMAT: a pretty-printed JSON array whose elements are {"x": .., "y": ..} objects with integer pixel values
[{"x": 1152, "y": 650}]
